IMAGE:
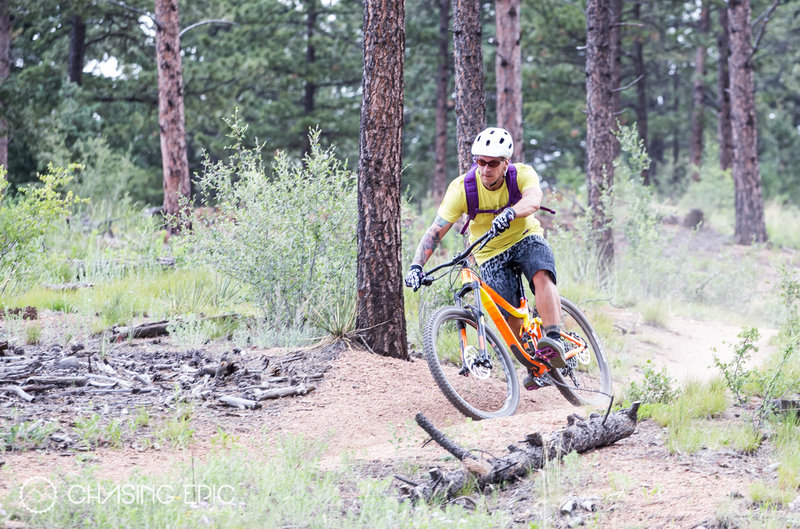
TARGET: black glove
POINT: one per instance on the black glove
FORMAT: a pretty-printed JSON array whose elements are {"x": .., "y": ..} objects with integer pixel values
[
  {"x": 503, "y": 221},
  {"x": 414, "y": 277}
]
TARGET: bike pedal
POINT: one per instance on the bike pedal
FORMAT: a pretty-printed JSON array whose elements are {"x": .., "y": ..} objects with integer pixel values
[{"x": 546, "y": 353}]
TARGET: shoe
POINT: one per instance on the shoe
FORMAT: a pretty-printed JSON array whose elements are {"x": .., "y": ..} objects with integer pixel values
[
  {"x": 552, "y": 350},
  {"x": 532, "y": 383}
]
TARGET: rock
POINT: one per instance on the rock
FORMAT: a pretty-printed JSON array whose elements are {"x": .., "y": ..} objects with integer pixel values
[
  {"x": 69, "y": 362},
  {"x": 772, "y": 468}
]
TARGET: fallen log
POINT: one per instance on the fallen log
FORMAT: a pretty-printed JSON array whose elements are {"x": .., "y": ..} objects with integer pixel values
[
  {"x": 18, "y": 391},
  {"x": 237, "y": 402},
  {"x": 287, "y": 391},
  {"x": 580, "y": 435},
  {"x": 158, "y": 328},
  {"x": 57, "y": 381},
  {"x": 146, "y": 330}
]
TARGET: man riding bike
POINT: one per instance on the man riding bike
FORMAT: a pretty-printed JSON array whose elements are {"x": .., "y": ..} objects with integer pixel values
[{"x": 517, "y": 246}]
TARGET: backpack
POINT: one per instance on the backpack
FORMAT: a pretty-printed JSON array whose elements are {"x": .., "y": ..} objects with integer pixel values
[{"x": 471, "y": 189}]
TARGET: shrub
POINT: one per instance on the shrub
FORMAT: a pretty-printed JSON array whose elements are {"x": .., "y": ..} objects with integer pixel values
[
  {"x": 290, "y": 237},
  {"x": 26, "y": 218},
  {"x": 656, "y": 388}
]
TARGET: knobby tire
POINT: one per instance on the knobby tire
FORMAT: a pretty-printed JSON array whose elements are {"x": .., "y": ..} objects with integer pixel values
[{"x": 496, "y": 396}]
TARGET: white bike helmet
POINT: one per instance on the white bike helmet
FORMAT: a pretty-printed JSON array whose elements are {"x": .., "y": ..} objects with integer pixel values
[{"x": 495, "y": 142}]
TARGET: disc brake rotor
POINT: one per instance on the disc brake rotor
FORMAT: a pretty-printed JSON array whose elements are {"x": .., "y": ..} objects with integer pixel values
[{"x": 477, "y": 368}]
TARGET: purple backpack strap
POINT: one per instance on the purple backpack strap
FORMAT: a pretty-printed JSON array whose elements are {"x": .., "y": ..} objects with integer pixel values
[{"x": 471, "y": 190}]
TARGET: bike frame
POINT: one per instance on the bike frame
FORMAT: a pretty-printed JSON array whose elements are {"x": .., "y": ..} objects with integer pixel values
[{"x": 490, "y": 301}]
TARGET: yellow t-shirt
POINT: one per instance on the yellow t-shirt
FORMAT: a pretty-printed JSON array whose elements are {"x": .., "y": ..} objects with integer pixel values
[{"x": 454, "y": 205}]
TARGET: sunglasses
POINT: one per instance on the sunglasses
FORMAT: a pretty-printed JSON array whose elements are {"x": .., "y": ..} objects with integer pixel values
[{"x": 493, "y": 163}]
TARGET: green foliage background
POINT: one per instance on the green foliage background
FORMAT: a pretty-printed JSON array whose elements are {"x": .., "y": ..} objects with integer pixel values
[{"x": 292, "y": 65}]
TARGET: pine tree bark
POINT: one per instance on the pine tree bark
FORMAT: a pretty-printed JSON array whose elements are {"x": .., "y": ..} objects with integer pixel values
[
  {"x": 749, "y": 203},
  {"x": 616, "y": 67},
  {"x": 640, "y": 72},
  {"x": 440, "y": 177},
  {"x": 698, "y": 93},
  {"x": 381, "y": 319},
  {"x": 77, "y": 49},
  {"x": 5, "y": 68},
  {"x": 171, "y": 120},
  {"x": 600, "y": 141},
  {"x": 724, "y": 129},
  {"x": 508, "y": 72},
  {"x": 470, "y": 89}
]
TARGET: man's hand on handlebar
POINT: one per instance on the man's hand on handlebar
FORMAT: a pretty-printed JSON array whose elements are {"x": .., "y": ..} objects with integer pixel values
[
  {"x": 503, "y": 221},
  {"x": 414, "y": 277}
]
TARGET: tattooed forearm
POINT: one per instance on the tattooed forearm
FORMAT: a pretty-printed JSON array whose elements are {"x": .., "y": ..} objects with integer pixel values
[
  {"x": 426, "y": 247},
  {"x": 431, "y": 240}
]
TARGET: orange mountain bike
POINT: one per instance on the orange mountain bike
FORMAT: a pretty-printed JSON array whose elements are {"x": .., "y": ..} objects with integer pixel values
[{"x": 471, "y": 363}]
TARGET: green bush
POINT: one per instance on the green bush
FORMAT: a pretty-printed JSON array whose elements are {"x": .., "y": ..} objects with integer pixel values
[
  {"x": 290, "y": 236},
  {"x": 27, "y": 217},
  {"x": 656, "y": 388}
]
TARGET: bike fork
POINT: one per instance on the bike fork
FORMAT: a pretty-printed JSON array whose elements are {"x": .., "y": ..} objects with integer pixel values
[{"x": 477, "y": 314}]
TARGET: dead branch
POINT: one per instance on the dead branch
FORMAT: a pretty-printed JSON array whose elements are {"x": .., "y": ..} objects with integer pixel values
[
  {"x": 580, "y": 436},
  {"x": 68, "y": 286},
  {"x": 57, "y": 381},
  {"x": 19, "y": 392},
  {"x": 158, "y": 328},
  {"x": 288, "y": 391},
  {"x": 623, "y": 88},
  {"x": 241, "y": 403}
]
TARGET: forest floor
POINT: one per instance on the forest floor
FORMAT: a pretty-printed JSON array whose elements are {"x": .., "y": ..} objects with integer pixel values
[{"x": 362, "y": 414}]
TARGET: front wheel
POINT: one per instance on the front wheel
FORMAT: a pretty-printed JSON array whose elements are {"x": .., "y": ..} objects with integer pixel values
[
  {"x": 586, "y": 380},
  {"x": 480, "y": 388}
]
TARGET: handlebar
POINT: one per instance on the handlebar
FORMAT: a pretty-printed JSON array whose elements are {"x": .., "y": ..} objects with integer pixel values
[
  {"x": 428, "y": 279},
  {"x": 482, "y": 240}
]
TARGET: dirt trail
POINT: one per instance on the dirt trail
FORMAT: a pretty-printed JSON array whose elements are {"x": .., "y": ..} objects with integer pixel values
[{"x": 363, "y": 411}]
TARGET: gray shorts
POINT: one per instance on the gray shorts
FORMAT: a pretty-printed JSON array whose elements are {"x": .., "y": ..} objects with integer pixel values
[{"x": 527, "y": 257}]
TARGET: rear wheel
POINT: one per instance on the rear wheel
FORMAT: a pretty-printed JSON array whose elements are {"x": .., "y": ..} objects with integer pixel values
[
  {"x": 479, "y": 389},
  {"x": 587, "y": 377}
]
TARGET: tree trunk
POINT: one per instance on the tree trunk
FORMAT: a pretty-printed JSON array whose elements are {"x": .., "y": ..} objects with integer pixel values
[
  {"x": 677, "y": 131},
  {"x": 600, "y": 140},
  {"x": 724, "y": 129},
  {"x": 5, "y": 68},
  {"x": 381, "y": 319},
  {"x": 508, "y": 71},
  {"x": 616, "y": 67},
  {"x": 579, "y": 436},
  {"x": 310, "y": 89},
  {"x": 749, "y": 203},
  {"x": 470, "y": 90},
  {"x": 640, "y": 72},
  {"x": 77, "y": 49},
  {"x": 440, "y": 177},
  {"x": 171, "y": 121},
  {"x": 698, "y": 92}
]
